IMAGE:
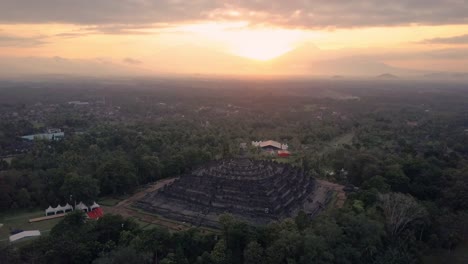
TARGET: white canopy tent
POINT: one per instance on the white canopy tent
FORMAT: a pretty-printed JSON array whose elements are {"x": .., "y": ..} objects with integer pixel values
[
  {"x": 50, "y": 211},
  {"x": 68, "y": 208},
  {"x": 60, "y": 209},
  {"x": 94, "y": 206},
  {"x": 82, "y": 206}
]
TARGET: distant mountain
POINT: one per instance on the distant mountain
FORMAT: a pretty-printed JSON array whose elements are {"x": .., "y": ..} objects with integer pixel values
[
  {"x": 446, "y": 76},
  {"x": 307, "y": 58},
  {"x": 337, "y": 77},
  {"x": 387, "y": 76}
]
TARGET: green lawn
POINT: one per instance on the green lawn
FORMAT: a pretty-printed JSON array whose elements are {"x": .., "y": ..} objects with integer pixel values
[
  {"x": 107, "y": 201},
  {"x": 114, "y": 200},
  {"x": 20, "y": 220}
]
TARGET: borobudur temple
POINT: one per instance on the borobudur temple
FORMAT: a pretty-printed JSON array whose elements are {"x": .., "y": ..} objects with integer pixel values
[{"x": 255, "y": 191}]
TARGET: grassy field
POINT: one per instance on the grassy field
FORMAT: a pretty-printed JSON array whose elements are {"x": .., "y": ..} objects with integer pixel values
[
  {"x": 20, "y": 220},
  {"x": 337, "y": 142},
  {"x": 109, "y": 201}
]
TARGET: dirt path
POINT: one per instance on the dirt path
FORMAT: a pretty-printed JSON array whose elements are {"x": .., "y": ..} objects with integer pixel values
[
  {"x": 124, "y": 208},
  {"x": 139, "y": 195},
  {"x": 341, "y": 194}
]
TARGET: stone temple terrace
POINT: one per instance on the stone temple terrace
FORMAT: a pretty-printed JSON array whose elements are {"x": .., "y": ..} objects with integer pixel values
[{"x": 255, "y": 191}]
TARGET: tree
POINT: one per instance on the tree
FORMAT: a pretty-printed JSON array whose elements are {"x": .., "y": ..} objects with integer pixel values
[
  {"x": 121, "y": 256},
  {"x": 285, "y": 248},
  {"x": 72, "y": 222},
  {"x": 9, "y": 256},
  {"x": 149, "y": 169},
  {"x": 396, "y": 177},
  {"x": 400, "y": 210},
  {"x": 218, "y": 255},
  {"x": 80, "y": 188},
  {"x": 378, "y": 182},
  {"x": 154, "y": 241},
  {"x": 302, "y": 220},
  {"x": 169, "y": 259},
  {"x": 235, "y": 235},
  {"x": 23, "y": 198},
  {"x": 117, "y": 176},
  {"x": 253, "y": 253},
  {"x": 109, "y": 228}
]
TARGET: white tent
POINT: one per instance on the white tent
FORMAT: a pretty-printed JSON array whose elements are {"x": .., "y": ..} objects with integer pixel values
[
  {"x": 94, "y": 206},
  {"x": 81, "y": 206},
  {"x": 50, "y": 211},
  {"x": 60, "y": 209},
  {"x": 24, "y": 234},
  {"x": 68, "y": 208}
]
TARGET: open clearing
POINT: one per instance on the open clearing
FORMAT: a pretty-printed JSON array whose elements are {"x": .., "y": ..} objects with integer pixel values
[
  {"x": 333, "y": 144},
  {"x": 20, "y": 221}
]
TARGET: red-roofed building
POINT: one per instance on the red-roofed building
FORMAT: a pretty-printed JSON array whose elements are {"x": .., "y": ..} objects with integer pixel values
[{"x": 284, "y": 153}]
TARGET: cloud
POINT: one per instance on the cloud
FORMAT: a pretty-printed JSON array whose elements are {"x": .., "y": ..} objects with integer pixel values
[
  {"x": 112, "y": 29},
  {"x": 291, "y": 13},
  {"x": 15, "y": 41},
  {"x": 71, "y": 34},
  {"x": 13, "y": 66},
  {"x": 447, "y": 54},
  {"x": 132, "y": 61},
  {"x": 124, "y": 29},
  {"x": 463, "y": 39}
]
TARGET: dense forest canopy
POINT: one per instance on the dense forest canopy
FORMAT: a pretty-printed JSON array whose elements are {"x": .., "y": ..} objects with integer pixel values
[{"x": 404, "y": 145}]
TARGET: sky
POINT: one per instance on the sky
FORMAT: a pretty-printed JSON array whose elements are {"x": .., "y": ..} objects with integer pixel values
[{"x": 237, "y": 37}]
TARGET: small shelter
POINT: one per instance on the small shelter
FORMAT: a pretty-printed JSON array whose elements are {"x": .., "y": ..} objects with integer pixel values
[
  {"x": 82, "y": 206},
  {"x": 50, "y": 211},
  {"x": 68, "y": 208},
  {"x": 60, "y": 209},
  {"x": 94, "y": 206}
]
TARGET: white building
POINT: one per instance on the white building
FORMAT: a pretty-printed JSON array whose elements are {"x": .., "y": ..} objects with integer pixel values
[{"x": 270, "y": 144}]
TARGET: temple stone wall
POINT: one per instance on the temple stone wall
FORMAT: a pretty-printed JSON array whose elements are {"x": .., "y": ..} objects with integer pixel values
[{"x": 254, "y": 191}]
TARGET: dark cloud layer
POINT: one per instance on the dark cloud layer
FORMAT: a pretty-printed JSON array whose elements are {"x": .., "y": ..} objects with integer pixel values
[
  {"x": 294, "y": 13},
  {"x": 453, "y": 40}
]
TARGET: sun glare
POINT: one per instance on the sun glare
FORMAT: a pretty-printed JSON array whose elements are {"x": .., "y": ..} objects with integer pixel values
[
  {"x": 259, "y": 46},
  {"x": 250, "y": 42},
  {"x": 262, "y": 44}
]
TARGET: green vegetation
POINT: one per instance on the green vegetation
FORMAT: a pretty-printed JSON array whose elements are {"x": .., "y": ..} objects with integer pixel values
[
  {"x": 401, "y": 150},
  {"x": 107, "y": 201}
]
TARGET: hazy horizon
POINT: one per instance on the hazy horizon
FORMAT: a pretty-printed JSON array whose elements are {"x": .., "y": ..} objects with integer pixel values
[{"x": 234, "y": 38}]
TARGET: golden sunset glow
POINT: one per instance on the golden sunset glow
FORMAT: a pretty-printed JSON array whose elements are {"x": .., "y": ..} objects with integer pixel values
[
  {"x": 258, "y": 43},
  {"x": 263, "y": 44},
  {"x": 229, "y": 39}
]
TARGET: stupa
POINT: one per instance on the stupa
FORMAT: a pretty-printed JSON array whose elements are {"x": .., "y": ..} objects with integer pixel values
[{"x": 255, "y": 191}]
